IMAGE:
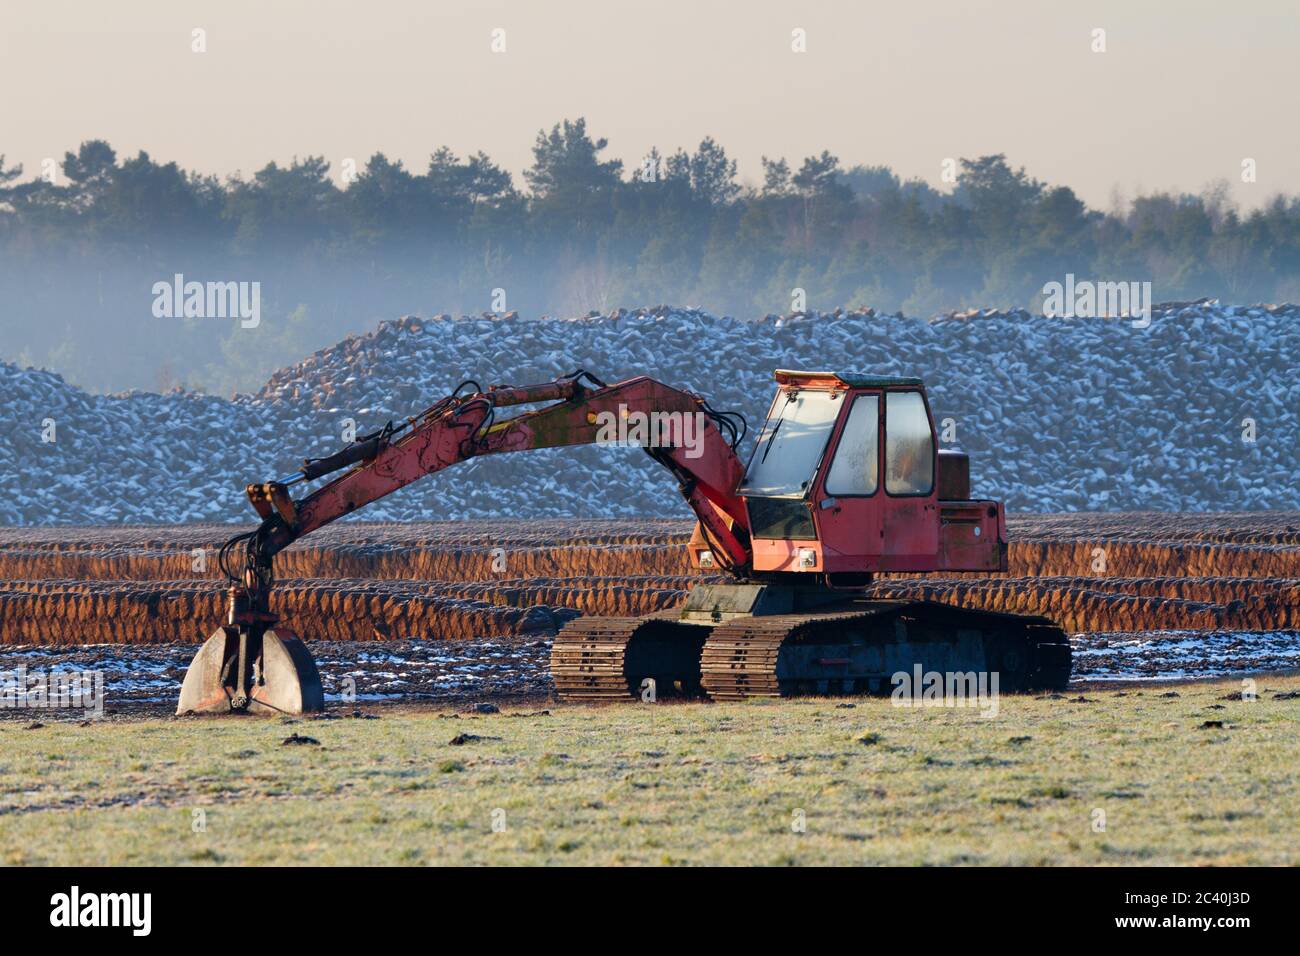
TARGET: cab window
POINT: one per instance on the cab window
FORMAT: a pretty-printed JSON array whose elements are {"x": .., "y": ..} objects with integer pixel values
[
  {"x": 909, "y": 445},
  {"x": 792, "y": 443},
  {"x": 856, "y": 466}
]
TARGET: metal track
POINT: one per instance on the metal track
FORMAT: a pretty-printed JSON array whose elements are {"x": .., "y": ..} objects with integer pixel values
[
  {"x": 593, "y": 658},
  {"x": 739, "y": 658},
  {"x": 587, "y": 657}
]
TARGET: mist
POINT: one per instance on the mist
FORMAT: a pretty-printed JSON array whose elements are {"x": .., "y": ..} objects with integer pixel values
[{"x": 326, "y": 252}]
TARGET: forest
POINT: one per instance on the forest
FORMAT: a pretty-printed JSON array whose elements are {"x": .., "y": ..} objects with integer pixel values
[{"x": 336, "y": 247}]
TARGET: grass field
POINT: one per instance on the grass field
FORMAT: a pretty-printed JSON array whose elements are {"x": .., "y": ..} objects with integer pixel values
[{"x": 675, "y": 784}]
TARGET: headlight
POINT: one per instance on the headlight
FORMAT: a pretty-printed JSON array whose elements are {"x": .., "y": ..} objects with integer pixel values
[{"x": 807, "y": 558}]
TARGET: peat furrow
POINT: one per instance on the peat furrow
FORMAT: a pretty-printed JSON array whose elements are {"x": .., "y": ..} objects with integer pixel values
[
  {"x": 63, "y": 612},
  {"x": 1091, "y": 606},
  {"x": 576, "y": 559},
  {"x": 116, "y": 612},
  {"x": 165, "y": 612},
  {"x": 1151, "y": 558},
  {"x": 565, "y": 557},
  {"x": 1132, "y": 545}
]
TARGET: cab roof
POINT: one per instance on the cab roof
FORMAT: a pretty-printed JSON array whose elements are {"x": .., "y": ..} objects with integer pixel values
[{"x": 785, "y": 376}]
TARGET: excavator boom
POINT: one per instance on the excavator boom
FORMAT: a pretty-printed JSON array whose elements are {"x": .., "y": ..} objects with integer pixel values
[
  {"x": 252, "y": 664},
  {"x": 685, "y": 439}
]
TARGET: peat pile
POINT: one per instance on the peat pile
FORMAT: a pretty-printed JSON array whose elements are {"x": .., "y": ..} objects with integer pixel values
[{"x": 1058, "y": 414}]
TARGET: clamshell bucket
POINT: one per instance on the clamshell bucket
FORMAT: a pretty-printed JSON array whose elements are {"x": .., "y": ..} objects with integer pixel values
[{"x": 260, "y": 671}]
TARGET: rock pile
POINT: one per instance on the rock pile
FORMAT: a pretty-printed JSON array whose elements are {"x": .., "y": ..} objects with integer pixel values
[{"x": 1199, "y": 411}]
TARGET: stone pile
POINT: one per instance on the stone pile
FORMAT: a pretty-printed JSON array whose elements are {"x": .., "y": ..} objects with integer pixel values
[{"x": 1199, "y": 411}]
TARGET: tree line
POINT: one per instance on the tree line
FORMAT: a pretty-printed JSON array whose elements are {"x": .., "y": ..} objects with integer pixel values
[{"x": 336, "y": 249}]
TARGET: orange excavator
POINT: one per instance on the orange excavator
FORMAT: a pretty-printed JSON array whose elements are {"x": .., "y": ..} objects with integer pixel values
[{"x": 846, "y": 481}]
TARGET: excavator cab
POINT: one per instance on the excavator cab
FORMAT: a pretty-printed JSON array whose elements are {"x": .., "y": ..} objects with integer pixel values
[{"x": 847, "y": 480}]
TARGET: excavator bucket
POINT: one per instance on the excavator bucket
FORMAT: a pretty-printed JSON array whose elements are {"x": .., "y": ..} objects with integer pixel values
[{"x": 270, "y": 672}]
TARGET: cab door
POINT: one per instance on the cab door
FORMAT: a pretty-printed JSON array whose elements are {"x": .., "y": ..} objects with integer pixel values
[
  {"x": 846, "y": 499},
  {"x": 909, "y": 505}
]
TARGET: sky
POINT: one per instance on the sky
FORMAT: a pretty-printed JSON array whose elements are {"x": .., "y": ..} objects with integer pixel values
[{"x": 1183, "y": 93}]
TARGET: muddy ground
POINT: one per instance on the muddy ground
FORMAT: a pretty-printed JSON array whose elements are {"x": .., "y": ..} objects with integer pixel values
[{"x": 467, "y": 609}]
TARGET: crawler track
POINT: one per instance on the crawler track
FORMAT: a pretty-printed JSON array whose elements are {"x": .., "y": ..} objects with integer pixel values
[
  {"x": 740, "y": 657},
  {"x": 858, "y": 650},
  {"x": 587, "y": 657},
  {"x": 853, "y": 650},
  {"x": 609, "y": 658}
]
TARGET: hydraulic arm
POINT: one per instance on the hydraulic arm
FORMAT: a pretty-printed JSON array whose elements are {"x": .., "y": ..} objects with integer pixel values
[{"x": 697, "y": 444}]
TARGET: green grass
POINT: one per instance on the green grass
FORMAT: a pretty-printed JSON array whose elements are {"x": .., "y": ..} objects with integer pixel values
[{"x": 667, "y": 784}]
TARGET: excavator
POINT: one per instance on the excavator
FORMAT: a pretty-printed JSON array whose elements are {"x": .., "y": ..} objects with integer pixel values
[{"x": 845, "y": 482}]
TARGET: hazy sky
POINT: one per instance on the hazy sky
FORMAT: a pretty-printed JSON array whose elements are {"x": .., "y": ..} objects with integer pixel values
[{"x": 1184, "y": 91}]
